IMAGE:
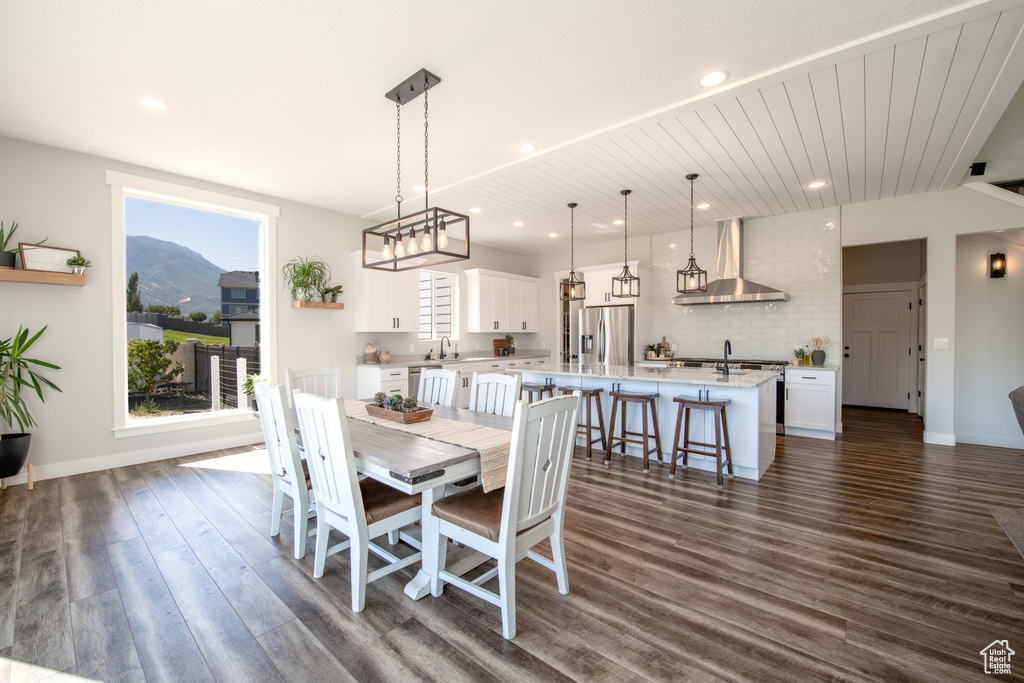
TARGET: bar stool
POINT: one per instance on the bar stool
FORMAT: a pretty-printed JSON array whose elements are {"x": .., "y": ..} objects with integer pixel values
[
  {"x": 686, "y": 404},
  {"x": 531, "y": 388},
  {"x": 644, "y": 400},
  {"x": 587, "y": 429}
]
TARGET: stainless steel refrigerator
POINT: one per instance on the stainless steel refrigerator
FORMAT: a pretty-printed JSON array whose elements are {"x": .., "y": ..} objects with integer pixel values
[{"x": 606, "y": 335}]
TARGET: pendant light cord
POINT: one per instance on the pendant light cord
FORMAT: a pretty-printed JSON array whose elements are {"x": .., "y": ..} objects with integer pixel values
[
  {"x": 426, "y": 146},
  {"x": 625, "y": 229},
  {"x": 398, "y": 195},
  {"x": 572, "y": 238},
  {"x": 691, "y": 218}
]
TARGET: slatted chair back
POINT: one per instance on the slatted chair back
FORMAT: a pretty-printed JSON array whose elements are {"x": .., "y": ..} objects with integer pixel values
[
  {"x": 495, "y": 394},
  {"x": 543, "y": 437},
  {"x": 437, "y": 386},
  {"x": 324, "y": 382},
  {"x": 328, "y": 446}
]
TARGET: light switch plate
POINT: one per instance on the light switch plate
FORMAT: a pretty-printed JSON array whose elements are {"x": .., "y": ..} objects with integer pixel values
[
  {"x": 478, "y": 346},
  {"x": 543, "y": 345},
  {"x": 941, "y": 343},
  {"x": 673, "y": 348},
  {"x": 412, "y": 348}
]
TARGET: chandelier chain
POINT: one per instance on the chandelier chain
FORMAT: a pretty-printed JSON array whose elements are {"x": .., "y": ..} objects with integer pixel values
[
  {"x": 572, "y": 238},
  {"x": 426, "y": 146},
  {"x": 398, "y": 189},
  {"x": 691, "y": 217},
  {"x": 625, "y": 228}
]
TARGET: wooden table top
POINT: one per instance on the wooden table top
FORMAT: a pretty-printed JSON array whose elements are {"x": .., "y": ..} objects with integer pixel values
[{"x": 410, "y": 455}]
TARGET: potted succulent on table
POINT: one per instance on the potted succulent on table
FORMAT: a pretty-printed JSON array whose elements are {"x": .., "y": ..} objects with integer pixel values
[
  {"x": 78, "y": 264},
  {"x": 410, "y": 405},
  {"x": 17, "y": 376},
  {"x": 380, "y": 399}
]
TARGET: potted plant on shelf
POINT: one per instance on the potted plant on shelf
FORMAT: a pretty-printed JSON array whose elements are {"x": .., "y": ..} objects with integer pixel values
[
  {"x": 510, "y": 345},
  {"x": 18, "y": 375},
  {"x": 78, "y": 264},
  {"x": 306, "y": 277},
  {"x": 330, "y": 292}
]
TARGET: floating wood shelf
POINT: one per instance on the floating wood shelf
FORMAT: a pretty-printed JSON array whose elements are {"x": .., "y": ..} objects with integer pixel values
[
  {"x": 41, "y": 277},
  {"x": 318, "y": 304}
]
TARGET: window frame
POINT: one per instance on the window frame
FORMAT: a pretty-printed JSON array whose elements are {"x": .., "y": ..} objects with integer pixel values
[
  {"x": 241, "y": 296},
  {"x": 124, "y": 185},
  {"x": 453, "y": 278}
]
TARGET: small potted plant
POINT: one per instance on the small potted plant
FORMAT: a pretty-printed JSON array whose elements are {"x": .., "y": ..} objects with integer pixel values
[
  {"x": 7, "y": 252},
  {"x": 799, "y": 353},
  {"x": 250, "y": 391},
  {"x": 651, "y": 350},
  {"x": 18, "y": 378},
  {"x": 410, "y": 405},
  {"x": 380, "y": 399},
  {"x": 395, "y": 402},
  {"x": 330, "y": 293},
  {"x": 510, "y": 345},
  {"x": 78, "y": 264}
]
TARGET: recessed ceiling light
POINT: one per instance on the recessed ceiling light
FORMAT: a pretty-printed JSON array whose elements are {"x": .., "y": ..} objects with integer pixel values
[
  {"x": 617, "y": 222},
  {"x": 816, "y": 184},
  {"x": 713, "y": 78},
  {"x": 474, "y": 210},
  {"x": 418, "y": 188},
  {"x": 705, "y": 205},
  {"x": 526, "y": 147},
  {"x": 552, "y": 234},
  {"x": 518, "y": 224},
  {"x": 151, "y": 102}
]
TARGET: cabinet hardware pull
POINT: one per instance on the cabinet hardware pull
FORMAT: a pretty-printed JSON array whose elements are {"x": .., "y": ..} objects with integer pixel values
[
  {"x": 805, "y": 377},
  {"x": 787, "y": 394}
]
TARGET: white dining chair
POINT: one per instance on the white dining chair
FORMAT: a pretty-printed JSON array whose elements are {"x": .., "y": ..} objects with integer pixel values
[
  {"x": 362, "y": 510},
  {"x": 505, "y": 524},
  {"x": 495, "y": 394},
  {"x": 437, "y": 386},
  {"x": 287, "y": 474},
  {"x": 324, "y": 382}
]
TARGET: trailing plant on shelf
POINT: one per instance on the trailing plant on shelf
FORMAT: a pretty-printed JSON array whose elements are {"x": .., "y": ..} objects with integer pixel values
[{"x": 306, "y": 277}]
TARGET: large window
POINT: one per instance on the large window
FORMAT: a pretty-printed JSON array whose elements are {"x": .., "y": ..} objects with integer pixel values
[
  {"x": 179, "y": 249},
  {"x": 437, "y": 306}
]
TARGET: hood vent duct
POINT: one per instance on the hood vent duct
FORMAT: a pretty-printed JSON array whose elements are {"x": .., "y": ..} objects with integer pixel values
[{"x": 730, "y": 287}]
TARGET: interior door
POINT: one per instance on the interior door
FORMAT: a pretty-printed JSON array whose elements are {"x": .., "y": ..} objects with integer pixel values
[
  {"x": 876, "y": 349},
  {"x": 921, "y": 329}
]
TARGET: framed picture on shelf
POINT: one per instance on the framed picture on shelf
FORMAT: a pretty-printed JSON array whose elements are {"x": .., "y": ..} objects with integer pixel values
[{"x": 51, "y": 259}]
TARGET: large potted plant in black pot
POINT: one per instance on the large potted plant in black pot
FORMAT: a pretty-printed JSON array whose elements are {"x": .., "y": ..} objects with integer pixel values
[{"x": 18, "y": 380}]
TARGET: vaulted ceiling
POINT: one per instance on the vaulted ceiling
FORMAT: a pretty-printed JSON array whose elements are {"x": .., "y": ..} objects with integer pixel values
[{"x": 879, "y": 98}]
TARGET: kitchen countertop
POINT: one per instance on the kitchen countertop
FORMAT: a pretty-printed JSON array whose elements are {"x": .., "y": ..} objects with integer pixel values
[
  {"x": 752, "y": 378},
  {"x": 417, "y": 360}
]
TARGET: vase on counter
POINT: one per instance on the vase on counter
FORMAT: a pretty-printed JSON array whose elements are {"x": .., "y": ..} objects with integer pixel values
[
  {"x": 817, "y": 357},
  {"x": 370, "y": 353},
  {"x": 385, "y": 357}
]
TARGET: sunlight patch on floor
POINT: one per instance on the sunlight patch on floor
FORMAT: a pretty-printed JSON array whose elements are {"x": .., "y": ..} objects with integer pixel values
[
  {"x": 30, "y": 673},
  {"x": 254, "y": 461}
]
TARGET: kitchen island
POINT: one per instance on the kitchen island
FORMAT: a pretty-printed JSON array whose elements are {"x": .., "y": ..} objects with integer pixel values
[{"x": 751, "y": 412}]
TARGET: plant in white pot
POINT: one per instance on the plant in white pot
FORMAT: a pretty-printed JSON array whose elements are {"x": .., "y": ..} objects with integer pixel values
[
  {"x": 78, "y": 264},
  {"x": 18, "y": 379}
]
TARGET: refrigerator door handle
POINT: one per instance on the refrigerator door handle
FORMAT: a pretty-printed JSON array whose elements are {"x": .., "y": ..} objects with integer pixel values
[{"x": 600, "y": 339}]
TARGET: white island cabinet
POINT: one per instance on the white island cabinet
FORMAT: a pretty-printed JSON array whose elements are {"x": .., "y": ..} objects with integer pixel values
[
  {"x": 750, "y": 413},
  {"x": 811, "y": 402}
]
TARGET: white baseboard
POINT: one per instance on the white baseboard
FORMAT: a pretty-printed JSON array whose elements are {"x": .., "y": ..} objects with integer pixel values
[
  {"x": 986, "y": 440},
  {"x": 939, "y": 439},
  {"x": 66, "y": 469}
]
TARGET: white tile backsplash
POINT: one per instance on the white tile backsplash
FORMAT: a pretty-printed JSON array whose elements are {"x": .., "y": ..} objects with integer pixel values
[{"x": 798, "y": 253}]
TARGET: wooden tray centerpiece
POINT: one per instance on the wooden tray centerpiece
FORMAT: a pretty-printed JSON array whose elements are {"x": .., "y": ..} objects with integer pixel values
[{"x": 397, "y": 410}]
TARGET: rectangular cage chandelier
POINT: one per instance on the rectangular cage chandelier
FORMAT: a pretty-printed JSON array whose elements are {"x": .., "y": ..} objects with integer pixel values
[{"x": 425, "y": 238}]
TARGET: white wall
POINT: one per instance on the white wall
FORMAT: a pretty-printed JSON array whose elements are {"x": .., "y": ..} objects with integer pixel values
[
  {"x": 63, "y": 195},
  {"x": 938, "y": 217},
  {"x": 990, "y": 336},
  {"x": 881, "y": 263}
]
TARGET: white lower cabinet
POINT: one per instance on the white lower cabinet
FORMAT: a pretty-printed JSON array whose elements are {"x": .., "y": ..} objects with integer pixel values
[
  {"x": 811, "y": 402},
  {"x": 466, "y": 371},
  {"x": 371, "y": 379}
]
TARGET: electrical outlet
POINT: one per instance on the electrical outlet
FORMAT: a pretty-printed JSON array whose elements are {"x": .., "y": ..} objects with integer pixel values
[
  {"x": 941, "y": 343},
  {"x": 478, "y": 346},
  {"x": 673, "y": 348},
  {"x": 412, "y": 348}
]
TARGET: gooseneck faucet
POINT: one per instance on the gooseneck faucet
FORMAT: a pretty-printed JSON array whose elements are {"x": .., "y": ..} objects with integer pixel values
[
  {"x": 727, "y": 350},
  {"x": 443, "y": 340}
]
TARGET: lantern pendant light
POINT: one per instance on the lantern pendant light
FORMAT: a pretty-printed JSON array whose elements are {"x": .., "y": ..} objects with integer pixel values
[
  {"x": 692, "y": 278},
  {"x": 573, "y": 289},
  {"x": 626, "y": 285}
]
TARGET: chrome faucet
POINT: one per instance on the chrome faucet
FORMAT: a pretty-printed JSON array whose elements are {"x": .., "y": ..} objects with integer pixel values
[
  {"x": 443, "y": 340},
  {"x": 727, "y": 350}
]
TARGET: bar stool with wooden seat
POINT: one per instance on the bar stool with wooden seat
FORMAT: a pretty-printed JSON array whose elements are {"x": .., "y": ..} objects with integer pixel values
[
  {"x": 587, "y": 428},
  {"x": 645, "y": 401},
  {"x": 721, "y": 444},
  {"x": 539, "y": 388}
]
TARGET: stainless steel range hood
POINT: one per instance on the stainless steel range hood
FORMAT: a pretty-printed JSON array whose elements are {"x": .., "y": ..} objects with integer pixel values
[{"x": 730, "y": 287}]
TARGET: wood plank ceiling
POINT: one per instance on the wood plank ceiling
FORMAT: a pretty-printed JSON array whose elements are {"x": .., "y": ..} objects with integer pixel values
[{"x": 906, "y": 117}]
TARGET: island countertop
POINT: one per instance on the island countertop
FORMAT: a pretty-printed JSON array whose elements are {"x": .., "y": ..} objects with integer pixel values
[{"x": 736, "y": 378}]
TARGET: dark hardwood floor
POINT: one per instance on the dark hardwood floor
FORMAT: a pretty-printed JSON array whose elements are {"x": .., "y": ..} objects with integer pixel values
[{"x": 871, "y": 558}]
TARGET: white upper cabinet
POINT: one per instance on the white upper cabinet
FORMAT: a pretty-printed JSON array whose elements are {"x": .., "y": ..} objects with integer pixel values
[
  {"x": 501, "y": 302},
  {"x": 384, "y": 302},
  {"x": 599, "y": 287}
]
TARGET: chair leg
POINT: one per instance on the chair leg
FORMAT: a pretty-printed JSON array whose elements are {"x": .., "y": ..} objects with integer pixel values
[
  {"x": 323, "y": 531},
  {"x": 622, "y": 444},
  {"x": 675, "y": 444},
  {"x": 643, "y": 415},
  {"x": 686, "y": 435},
  {"x": 600, "y": 421},
  {"x": 725, "y": 438},
  {"x": 657, "y": 430},
  {"x": 393, "y": 537},
  {"x": 277, "y": 507},
  {"x": 558, "y": 559},
  {"x": 357, "y": 559},
  {"x": 590, "y": 451},
  {"x": 507, "y": 589},
  {"x": 718, "y": 448},
  {"x": 301, "y": 518},
  {"x": 611, "y": 432}
]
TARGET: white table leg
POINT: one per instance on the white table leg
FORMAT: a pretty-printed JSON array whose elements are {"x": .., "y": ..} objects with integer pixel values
[{"x": 433, "y": 551}]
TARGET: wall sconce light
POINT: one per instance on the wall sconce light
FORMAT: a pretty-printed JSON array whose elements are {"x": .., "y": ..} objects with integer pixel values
[{"x": 997, "y": 265}]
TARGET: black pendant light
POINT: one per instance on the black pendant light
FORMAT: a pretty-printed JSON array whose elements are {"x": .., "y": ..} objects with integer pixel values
[
  {"x": 692, "y": 278},
  {"x": 573, "y": 289},
  {"x": 626, "y": 285},
  {"x": 384, "y": 247}
]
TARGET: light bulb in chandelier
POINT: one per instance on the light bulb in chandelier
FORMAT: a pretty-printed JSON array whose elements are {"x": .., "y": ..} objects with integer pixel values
[
  {"x": 413, "y": 248},
  {"x": 426, "y": 239},
  {"x": 386, "y": 253},
  {"x": 442, "y": 236},
  {"x": 399, "y": 247}
]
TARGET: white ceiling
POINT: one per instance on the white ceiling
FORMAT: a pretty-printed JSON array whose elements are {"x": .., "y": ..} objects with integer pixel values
[{"x": 880, "y": 97}]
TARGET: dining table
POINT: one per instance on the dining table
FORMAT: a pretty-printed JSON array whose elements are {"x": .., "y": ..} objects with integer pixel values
[{"x": 415, "y": 464}]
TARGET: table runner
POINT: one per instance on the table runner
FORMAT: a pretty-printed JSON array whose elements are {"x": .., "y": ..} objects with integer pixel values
[{"x": 490, "y": 442}]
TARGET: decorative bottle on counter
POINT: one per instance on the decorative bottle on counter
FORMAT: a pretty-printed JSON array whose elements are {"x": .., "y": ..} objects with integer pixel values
[{"x": 807, "y": 355}]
